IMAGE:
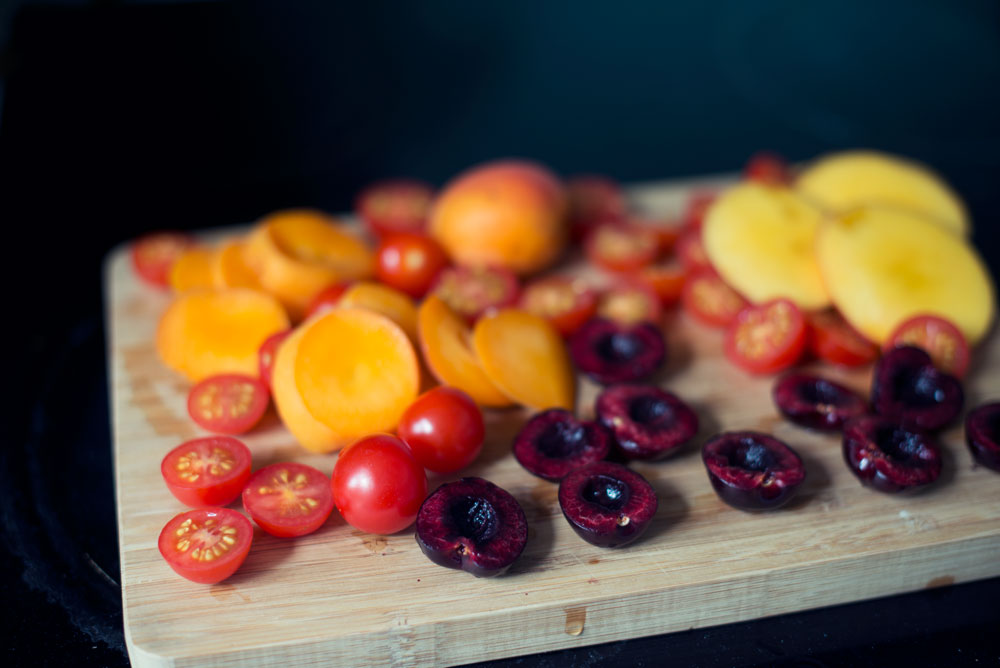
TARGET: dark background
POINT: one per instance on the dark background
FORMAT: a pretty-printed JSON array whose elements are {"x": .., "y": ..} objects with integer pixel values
[{"x": 124, "y": 117}]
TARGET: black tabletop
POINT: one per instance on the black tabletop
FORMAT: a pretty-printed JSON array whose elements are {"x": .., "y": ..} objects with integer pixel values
[{"x": 120, "y": 118}]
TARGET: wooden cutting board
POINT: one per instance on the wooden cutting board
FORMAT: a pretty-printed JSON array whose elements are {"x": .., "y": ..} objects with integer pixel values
[{"x": 343, "y": 597}]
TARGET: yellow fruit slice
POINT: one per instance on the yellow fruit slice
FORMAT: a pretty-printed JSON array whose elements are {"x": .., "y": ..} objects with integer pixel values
[
  {"x": 761, "y": 239},
  {"x": 882, "y": 266},
  {"x": 843, "y": 181},
  {"x": 390, "y": 302},
  {"x": 192, "y": 270},
  {"x": 229, "y": 268}
]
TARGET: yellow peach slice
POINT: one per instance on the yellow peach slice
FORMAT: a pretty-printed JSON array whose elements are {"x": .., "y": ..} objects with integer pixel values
[
  {"x": 192, "y": 270},
  {"x": 391, "y": 303},
  {"x": 229, "y": 267}
]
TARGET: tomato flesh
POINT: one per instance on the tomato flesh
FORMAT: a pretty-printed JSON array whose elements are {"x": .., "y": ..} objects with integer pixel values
[
  {"x": 410, "y": 263},
  {"x": 768, "y": 168},
  {"x": 393, "y": 206},
  {"x": 710, "y": 300},
  {"x": 940, "y": 338},
  {"x": 630, "y": 302},
  {"x": 767, "y": 337},
  {"x": 472, "y": 291},
  {"x": 265, "y": 356},
  {"x": 444, "y": 429},
  {"x": 206, "y": 545},
  {"x": 666, "y": 280},
  {"x": 288, "y": 499},
  {"x": 208, "y": 471},
  {"x": 832, "y": 339},
  {"x": 691, "y": 252},
  {"x": 326, "y": 299},
  {"x": 154, "y": 254},
  {"x": 228, "y": 403},
  {"x": 593, "y": 200},
  {"x": 567, "y": 303},
  {"x": 618, "y": 247}
]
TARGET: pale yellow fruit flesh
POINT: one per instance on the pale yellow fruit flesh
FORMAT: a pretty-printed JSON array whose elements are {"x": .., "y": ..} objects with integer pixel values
[
  {"x": 761, "y": 239},
  {"x": 844, "y": 181},
  {"x": 883, "y": 266}
]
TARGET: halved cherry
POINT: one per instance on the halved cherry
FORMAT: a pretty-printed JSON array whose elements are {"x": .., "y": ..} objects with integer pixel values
[
  {"x": 767, "y": 337},
  {"x": 629, "y": 302},
  {"x": 622, "y": 247},
  {"x": 206, "y": 545},
  {"x": 410, "y": 263},
  {"x": 326, "y": 299},
  {"x": 265, "y": 356},
  {"x": 396, "y": 205},
  {"x": 665, "y": 279},
  {"x": 691, "y": 251},
  {"x": 938, "y": 337},
  {"x": 697, "y": 205},
  {"x": 154, "y": 254},
  {"x": 228, "y": 404},
  {"x": 288, "y": 499},
  {"x": 207, "y": 471},
  {"x": 565, "y": 302},
  {"x": 710, "y": 300},
  {"x": 767, "y": 167},
  {"x": 593, "y": 200},
  {"x": 472, "y": 291},
  {"x": 831, "y": 338}
]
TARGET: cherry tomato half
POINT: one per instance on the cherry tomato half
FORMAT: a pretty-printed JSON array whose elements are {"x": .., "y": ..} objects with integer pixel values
[
  {"x": 593, "y": 200},
  {"x": 620, "y": 247},
  {"x": 710, "y": 300},
  {"x": 666, "y": 280},
  {"x": 207, "y": 471},
  {"x": 941, "y": 339},
  {"x": 767, "y": 337},
  {"x": 565, "y": 302},
  {"x": 206, "y": 545},
  {"x": 696, "y": 207},
  {"x": 410, "y": 263},
  {"x": 326, "y": 299},
  {"x": 288, "y": 499},
  {"x": 154, "y": 254},
  {"x": 444, "y": 429},
  {"x": 378, "y": 485},
  {"x": 769, "y": 168},
  {"x": 832, "y": 339},
  {"x": 691, "y": 252},
  {"x": 228, "y": 403},
  {"x": 265, "y": 356},
  {"x": 393, "y": 206},
  {"x": 630, "y": 302},
  {"x": 471, "y": 292}
]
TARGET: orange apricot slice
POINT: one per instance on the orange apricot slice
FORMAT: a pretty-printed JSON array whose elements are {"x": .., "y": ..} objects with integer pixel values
[
  {"x": 526, "y": 358},
  {"x": 445, "y": 341},
  {"x": 391, "y": 303},
  {"x": 192, "y": 270},
  {"x": 207, "y": 332},
  {"x": 356, "y": 372},
  {"x": 297, "y": 253},
  {"x": 229, "y": 267}
]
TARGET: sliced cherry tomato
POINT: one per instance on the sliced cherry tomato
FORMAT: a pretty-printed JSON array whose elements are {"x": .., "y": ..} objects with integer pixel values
[
  {"x": 769, "y": 168},
  {"x": 566, "y": 302},
  {"x": 691, "y": 252},
  {"x": 154, "y": 254},
  {"x": 832, "y": 339},
  {"x": 288, "y": 499},
  {"x": 265, "y": 356},
  {"x": 622, "y": 247},
  {"x": 941, "y": 339},
  {"x": 630, "y": 302},
  {"x": 697, "y": 206},
  {"x": 326, "y": 299},
  {"x": 593, "y": 200},
  {"x": 397, "y": 205},
  {"x": 471, "y": 292},
  {"x": 378, "y": 485},
  {"x": 228, "y": 404},
  {"x": 444, "y": 429},
  {"x": 767, "y": 337},
  {"x": 666, "y": 280},
  {"x": 410, "y": 262},
  {"x": 206, "y": 545},
  {"x": 668, "y": 233},
  {"x": 207, "y": 471},
  {"x": 710, "y": 300}
]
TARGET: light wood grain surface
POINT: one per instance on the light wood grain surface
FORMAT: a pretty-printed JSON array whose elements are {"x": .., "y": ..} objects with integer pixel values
[{"x": 342, "y": 597}]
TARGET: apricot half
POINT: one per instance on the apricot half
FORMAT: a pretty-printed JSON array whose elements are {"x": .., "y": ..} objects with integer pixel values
[
  {"x": 379, "y": 298},
  {"x": 507, "y": 214},
  {"x": 525, "y": 356},
  {"x": 883, "y": 266},
  {"x": 192, "y": 270},
  {"x": 229, "y": 268},
  {"x": 445, "y": 341},
  {"x": 849, "y": 179},
  {"x": 761, "y": 239}
]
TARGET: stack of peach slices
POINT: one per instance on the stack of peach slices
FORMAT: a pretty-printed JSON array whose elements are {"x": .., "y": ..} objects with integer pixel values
[{"x": 858, "y": 257}]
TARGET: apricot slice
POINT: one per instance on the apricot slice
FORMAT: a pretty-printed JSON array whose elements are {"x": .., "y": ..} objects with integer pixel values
[
  {"x": 356, "y": 372},
  {"x": 524, "y": 355},
  {"x": 761, "y": 239},
  {"x": 445, "y": 341},
  {"x": 297, "y": 253},
  {"x": 207, "y": 332},
  {"x": 842, "y": 181},
  {"x": 883, "y": 266},
  {"x": 192, "y": 270},
  {"x": 229, "y": 267},
  {"x": 379, "y": 298}
]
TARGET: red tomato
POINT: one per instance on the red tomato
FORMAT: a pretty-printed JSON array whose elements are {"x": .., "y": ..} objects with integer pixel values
[
  {"x": 228, "y": 403},
  {"x": 620, "y": 247},
  {"x": 630, "y": 302},
  {"x": 154, "y": 254},
  {"x": 206, "y": 545},
  {"x": 942, "y": 340},
  {"x": 832, "y": 339},
  {"x": 471, "y": 292},
  {"x": 410, "y": 262},
  {"x": 767, "y": 337},
  {"x": 444, "y": 429},
  {"x": 288, "y": 499},
  {"x": 326, "y": 299},
  {"x": 666, "y": 231},
  {"x": 265, "y": 356},
  {"x": 593, "y": 200},
  {"x": 566, "y": 303},
  {"x": 666, "y": 280},
  {"x": 378, "y": 485},
  {"x": 697, "y": 206},
  {"x": 691, "y": 252},
  {"x": 207, "y": 471},
  {"x": 768, "y": 168},
  {"x": 710, "y": 300},
  {"x": 397, "y": 205}
]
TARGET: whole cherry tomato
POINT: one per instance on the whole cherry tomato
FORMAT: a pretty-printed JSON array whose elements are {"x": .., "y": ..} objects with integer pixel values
[
  {"x": 154, "y": 254},
  {"x": 444, "y": 429},
  {"x": 410, "y": 263}
]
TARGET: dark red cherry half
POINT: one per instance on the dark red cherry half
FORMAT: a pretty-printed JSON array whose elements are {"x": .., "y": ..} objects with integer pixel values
[
  {"x": 607, "y": 504},
  {"x": 889, "y": 457},
  {"x": 645, "y": 421},
  {"x": 982, "y": 433},
  {"x": 610, "y": 352},
  {"x": 816, "y": 402},
  {"x": 908, "y": 387},
  {"x": 752, "y": 471},
  {"x": 553, "y": 443}
]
